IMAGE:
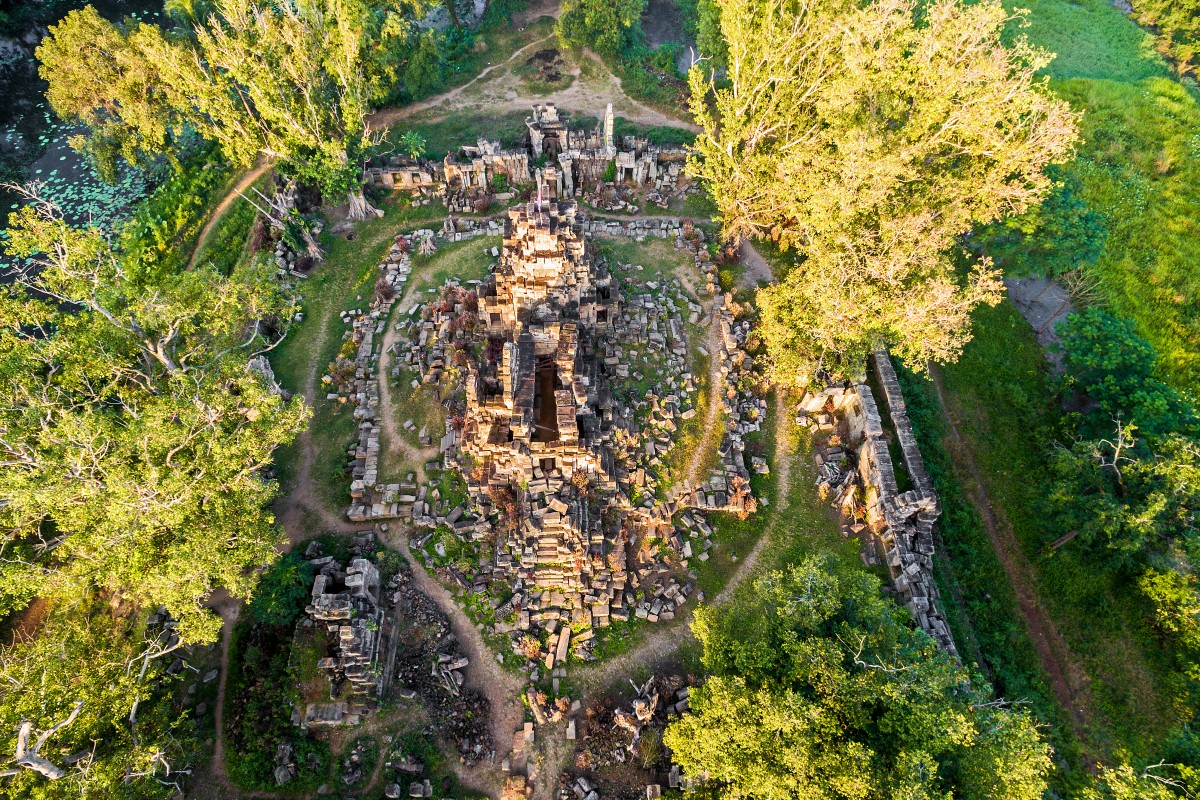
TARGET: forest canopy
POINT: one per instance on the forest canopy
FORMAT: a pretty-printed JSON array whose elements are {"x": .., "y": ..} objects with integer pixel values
[{"x": 866, "y": 140}]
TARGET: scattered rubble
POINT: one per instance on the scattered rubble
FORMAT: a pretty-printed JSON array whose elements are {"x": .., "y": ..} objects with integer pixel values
[
  {"x": 857, "y": 474},
  {"x": 577, "y": 164},
  {"x": 429, "y": 665},
  {"x": 348, "y": 602},
  {"x": 620, "y": 752}
]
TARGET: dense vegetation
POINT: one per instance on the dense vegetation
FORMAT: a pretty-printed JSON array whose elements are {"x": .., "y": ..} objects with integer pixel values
[
  {"x": 819, "y": 688},
  {"x": 292, "y": 82},
  {"x": 867, "y": 140}
]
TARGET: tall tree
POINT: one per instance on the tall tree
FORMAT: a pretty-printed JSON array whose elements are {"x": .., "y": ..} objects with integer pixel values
[
  {"x": 98, "y": 75},
  {"x": 868, "y": 137},
  {"x": 92, "y": 694},
  {"x": 820, "y": 689},
  {"x": 134, "y": 436},
  {"x": 291, "y": 81}
]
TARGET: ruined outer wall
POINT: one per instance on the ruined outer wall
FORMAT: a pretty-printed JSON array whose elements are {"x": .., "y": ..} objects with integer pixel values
[{"x": 902, "y": 522}]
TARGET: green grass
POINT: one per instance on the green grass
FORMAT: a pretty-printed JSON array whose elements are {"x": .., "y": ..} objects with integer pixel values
[
  {"x": 1139, "y": 163},
  {"x": 658, "y": 258},
  {"x": 449, "y": 134},
  {"x": 1140, "y": 167},
  {"x": 980, "y": 603},
  {"x": 344, "y": 281},
  {"x": 1001, "y": 389},
  {"x": 1090, "y": 39}
]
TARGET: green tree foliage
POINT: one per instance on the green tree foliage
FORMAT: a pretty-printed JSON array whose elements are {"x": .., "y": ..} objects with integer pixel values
[
  {"x": 1125, "y": 783},
  {"x": 1127, "y": 495},
  {"x": 126, "y": 741},
  {"x": 1127, "y": 486},
  {"x": 425, "y": 66},
  {"x": 1061, "y": 234},
  {"x": 99, "y": 76},
  {"x": 1116, "y": 368},
  {"x": 291, "y": 81},
  {"x": 412, "y": 144},
  {"x": 134, "y": 435},
  {"x": 1176, "y": 605},
  {"x": 869, "y": 138},
  {"x": 604, "y": 26},
  {"x": 283, "y": 588},
  {"x": 1178, "y": 28},
  {"x": 820, "y": 689}
]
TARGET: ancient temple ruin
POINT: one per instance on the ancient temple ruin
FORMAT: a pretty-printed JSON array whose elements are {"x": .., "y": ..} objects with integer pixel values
[
  {"x": 348, "y": 602},
  {"x": 574, "y": 163},
  {"x": 538, "y": 413}
]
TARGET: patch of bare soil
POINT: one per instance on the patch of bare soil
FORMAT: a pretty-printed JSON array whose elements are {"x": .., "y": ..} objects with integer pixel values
[
  {"x": 500, "y": 688},
  {"x": 499, "y": 90},
  {"x": 662, "y": 23},
  {"x": 428, "y": 656},
  {"x": 758, "y": 271}
]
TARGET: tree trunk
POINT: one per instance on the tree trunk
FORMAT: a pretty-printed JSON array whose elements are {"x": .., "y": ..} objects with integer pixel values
[{"x": 360, "y": 209}]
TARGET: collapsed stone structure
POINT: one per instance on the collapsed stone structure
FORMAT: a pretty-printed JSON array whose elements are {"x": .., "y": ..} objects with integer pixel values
[
  {"x": 536, "y": 403},
  {"x": 574, "y": 162},
  {"x": 552, "y": 457},
  {"x": 348, "y": 602},
  {"x": 857, "y": 469}
]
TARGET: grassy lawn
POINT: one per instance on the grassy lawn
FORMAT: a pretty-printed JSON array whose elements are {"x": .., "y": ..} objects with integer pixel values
[
  {"x": 1139, "y": 165},
  {"x": 1000, "y": 389},
  {"x": 228, "y": 244},
  {"x": 344, "y": 281}
]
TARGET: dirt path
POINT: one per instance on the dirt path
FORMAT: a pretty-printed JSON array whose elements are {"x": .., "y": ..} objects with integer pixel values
[
  {"x": 229, "y": 613},
  {"x": 498, "y": 93},
  {"x": 757, "y": 269},
  {"x": 301, "y": 500},
  {"x": 218, "y": 212},
  {"x": 1067, "y": 677},
  {"x": 484, "y": 673},
  {"x": 386, "y": 117},
  {"x": 393, "y": 440}
]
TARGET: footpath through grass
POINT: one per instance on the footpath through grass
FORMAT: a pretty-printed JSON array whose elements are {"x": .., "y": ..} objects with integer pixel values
[{"x": 1007, "y": 411}]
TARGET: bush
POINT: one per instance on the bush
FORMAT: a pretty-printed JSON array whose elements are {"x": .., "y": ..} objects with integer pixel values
[
  {"x": 603, "y": 25},
  {"x": 282, "y": 591}
]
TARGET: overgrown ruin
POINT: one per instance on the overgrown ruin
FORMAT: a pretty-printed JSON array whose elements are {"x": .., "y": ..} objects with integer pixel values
[
  {"x": 575, "y": 162},
  {"x": 857, "y": 471}
]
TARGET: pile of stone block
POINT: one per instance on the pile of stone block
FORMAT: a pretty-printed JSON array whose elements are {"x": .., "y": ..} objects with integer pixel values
[
  {"x": 348, "y": 602},
  {"x": 856, "y": 472}
]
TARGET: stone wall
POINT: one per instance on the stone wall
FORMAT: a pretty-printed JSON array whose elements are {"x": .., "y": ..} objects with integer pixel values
[
  {"x": 856, "y": 468},
  {"x": 576, "y": 161}
]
